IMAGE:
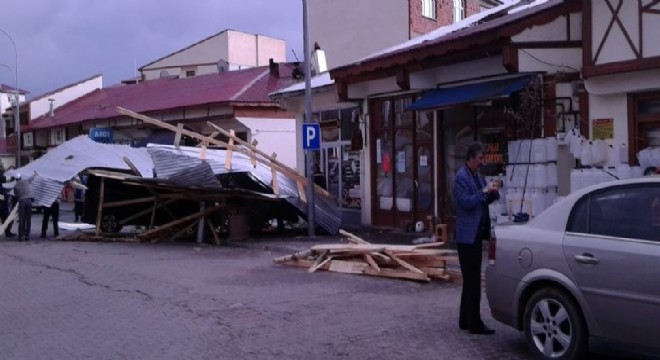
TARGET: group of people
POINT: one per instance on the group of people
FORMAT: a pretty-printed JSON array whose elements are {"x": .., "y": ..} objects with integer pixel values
[{"x": 23, "y": 196}]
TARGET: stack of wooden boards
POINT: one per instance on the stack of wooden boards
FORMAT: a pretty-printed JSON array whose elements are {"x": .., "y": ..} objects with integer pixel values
[{"x": 420, "y": 263}]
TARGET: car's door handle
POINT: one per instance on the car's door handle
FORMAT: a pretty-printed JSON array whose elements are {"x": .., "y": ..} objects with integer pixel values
[{"x": 586, "y": 259}]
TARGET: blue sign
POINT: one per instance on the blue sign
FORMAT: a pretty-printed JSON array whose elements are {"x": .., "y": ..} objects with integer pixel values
[
  {"x": 101, "y": 135},
  {"x": 311, "y": 136}
]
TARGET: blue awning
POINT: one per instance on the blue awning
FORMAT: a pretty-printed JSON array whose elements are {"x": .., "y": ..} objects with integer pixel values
[{"x": 463, "y": 94}]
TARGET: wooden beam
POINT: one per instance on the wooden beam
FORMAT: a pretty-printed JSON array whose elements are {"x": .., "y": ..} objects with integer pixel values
[
  {"x": 12, "y": 216},
  {"x": 146, "y": 211},
  {"x": 402, "y": 262},
  {"x": 181, "y": 221},
  {"x": 99, "y": 213},
  {"x": 214, "y": 232},
  {"x": 353, "y": 238},
  {"x": 370, "y": 260},
  {"x": 129, "y": 202},
  {"x": 178, "y": 233},
  {"x": 230, "y": 150},
  {"x": 177, "y": 136},
  {"x": 403, "y": 79}
]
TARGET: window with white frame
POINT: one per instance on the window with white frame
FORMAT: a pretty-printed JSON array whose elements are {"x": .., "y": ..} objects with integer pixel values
[
  {"x": 459, "y": 10},
  {"x": 429, "y": 9}
]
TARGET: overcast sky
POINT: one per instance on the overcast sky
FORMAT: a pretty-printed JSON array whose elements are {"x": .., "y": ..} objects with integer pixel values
[{"x": 63, "y": 41}]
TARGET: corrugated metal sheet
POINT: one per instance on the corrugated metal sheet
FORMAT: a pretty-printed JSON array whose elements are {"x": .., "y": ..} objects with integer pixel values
[
  {"x": 200, "y": 176},
  {"x": 169, "y": 161},
  {"x": 64, "y": 162}
]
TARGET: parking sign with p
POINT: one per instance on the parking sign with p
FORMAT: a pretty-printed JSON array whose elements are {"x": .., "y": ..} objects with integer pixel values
[{"x": 311, "y": 136}]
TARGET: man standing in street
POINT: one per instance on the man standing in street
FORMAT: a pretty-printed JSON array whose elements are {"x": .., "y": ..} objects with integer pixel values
[
  {"x": 472, "y": 196},
  {"x": 23, "y": 194}
]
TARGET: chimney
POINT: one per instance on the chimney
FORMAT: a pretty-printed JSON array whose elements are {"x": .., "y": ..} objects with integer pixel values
[
  {"x": 51, "y": 111},
  {"x": 274, "y": 68},
  {"x": 319, "y": 63}
]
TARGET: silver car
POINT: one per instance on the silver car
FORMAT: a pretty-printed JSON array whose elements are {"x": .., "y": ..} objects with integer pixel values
[{"x": 583, "y": 275}]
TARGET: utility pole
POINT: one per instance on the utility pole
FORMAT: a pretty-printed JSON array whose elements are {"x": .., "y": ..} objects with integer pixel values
[
  {"x": 17, "y": 115},
  {"x": 311, "y": 208}
]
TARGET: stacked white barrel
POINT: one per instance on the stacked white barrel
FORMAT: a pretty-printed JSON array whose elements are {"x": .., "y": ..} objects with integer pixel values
[{"x": 532, "y": 167}]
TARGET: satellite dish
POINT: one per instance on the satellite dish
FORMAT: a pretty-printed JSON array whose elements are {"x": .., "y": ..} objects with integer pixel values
[
  {"x": 164, "y": 73},
  {"x": 223, "y": 65}
]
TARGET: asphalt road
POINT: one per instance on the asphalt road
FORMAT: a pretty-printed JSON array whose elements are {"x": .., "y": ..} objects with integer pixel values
[{"x": 64, "y": 300}]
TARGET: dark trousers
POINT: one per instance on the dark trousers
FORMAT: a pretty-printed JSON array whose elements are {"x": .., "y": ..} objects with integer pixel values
[
  {"x": 24, "y": 219},
  {"x": 469, "y": 257},
  {"x": 54, "y": 212},
  {"x": 78, "y": 209}
]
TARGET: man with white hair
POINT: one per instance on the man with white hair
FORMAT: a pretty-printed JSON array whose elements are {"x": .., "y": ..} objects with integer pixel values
[{"x": 23, "y": 194}]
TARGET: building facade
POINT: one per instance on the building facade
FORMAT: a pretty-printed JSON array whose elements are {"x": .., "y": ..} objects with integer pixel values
[{"x": 224, "y": 51}]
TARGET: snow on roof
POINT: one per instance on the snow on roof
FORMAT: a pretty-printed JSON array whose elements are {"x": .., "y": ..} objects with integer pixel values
[{"x": 317, "y": 81}]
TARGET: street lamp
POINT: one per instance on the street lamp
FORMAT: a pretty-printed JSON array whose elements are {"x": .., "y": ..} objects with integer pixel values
[
  {"x": 311, "y": 207},
  {"x": 17, "y": 115}
]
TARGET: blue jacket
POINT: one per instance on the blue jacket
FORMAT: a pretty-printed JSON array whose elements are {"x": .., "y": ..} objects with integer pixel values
[{"x": 469, "y": 205}]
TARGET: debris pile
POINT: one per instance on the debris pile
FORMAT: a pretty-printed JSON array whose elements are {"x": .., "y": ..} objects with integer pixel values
[{"x": 416, "y": 262}]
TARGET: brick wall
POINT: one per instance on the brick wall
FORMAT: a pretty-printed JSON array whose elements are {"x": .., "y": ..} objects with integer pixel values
[{"x": 445, "y": 15}]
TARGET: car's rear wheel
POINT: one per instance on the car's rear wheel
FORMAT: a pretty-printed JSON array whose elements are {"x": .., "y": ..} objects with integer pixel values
[
  {"x": 554, "y": 326},
  {"x": 110, "y": 224}
]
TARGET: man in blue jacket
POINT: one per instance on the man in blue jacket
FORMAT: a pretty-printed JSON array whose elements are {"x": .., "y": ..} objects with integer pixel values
[{"x": 472, "y": 196}]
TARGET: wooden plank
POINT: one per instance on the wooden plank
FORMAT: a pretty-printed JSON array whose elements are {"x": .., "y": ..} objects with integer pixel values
[
  {"x": 372, "y": 247},
  {"x": 301, "y": 255},
  {"x": 214, "y": 232},
  {"x": 144, "y": 212},
  {"x": 230, "y": 150},
  {"x": 348, "y": 267},
  {"x": 370, "y": 260},
  {"x": 301, "y": 191},
  {"x": 182, "y": 220},
  {"x": 436, "y": 273},
  {"x": 12, "y": 216},
  {"x": 202, "y": 152},
  {"x": 129, "y": 202},
  {"x": 403, "y": 263},
  {"x": 99, "y": 213},
  {"x": 177, "y": 136},
  {"x": 353, "y": 238},
  {"x": 319, "y": 264}
]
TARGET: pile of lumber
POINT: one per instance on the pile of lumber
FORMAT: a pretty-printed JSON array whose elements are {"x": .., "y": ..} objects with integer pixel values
[{"x": 420, "y": 263}]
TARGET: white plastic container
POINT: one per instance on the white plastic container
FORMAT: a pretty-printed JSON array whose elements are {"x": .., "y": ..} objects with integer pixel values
[
  {"x": 623, "y": 171},
  {"x": 576, "y": 145},
  {"x": 612, "y": 156},
  {"x": 513, "y": 199},
  {"x": 576, "y": 180},
  {"x": 525, "y": 147},
  {"x": 540, "y": 176},
  {"x": 539, "y": 151},
  {"x": 550, "y": 197},
  {"x": 553, "y": 175},
  {"x": 513, "y": 152},
  {"x": 586, "y": 158},
  {"x": 538, "y": 201},
  {"x": 598, "y": 153},
  {"x": 588, "y": 177},
  {"x": 552, "y": 148},
  {"x": 637, "y": 172}
]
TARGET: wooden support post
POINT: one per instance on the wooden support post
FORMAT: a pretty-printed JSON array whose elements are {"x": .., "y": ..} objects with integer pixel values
[
  {"x": 214, "y": 232},
  {"x": 12, "y": 216},
  {"x": 128, "y": 202},
  {"x": 182, "y": 220},
  {"x": 177, "y": 136},
  {"x": 99, "y": 214},
  {"x": 202, "y": 153},
  {"x": 230, "y": 151}
]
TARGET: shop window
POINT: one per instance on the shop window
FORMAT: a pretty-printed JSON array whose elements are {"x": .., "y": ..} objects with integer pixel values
[{"x": 644, "y": 123}]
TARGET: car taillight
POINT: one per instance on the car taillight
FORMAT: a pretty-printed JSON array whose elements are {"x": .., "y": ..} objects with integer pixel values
[{"x": 492, "y": 245}]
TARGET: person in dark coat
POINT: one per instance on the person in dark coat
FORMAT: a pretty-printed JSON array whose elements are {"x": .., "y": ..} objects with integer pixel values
[
  {"x": 53, "y": 211},
  {"x": 5, "y": 208},
  {"x": 472, "y": 196},
  {"x": 23, "y": 194}
]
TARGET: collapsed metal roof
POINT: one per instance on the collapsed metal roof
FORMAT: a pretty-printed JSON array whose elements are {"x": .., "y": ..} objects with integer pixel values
[
  {"x": 169, "y": 161},
  {"x": 67, "y": 160}
]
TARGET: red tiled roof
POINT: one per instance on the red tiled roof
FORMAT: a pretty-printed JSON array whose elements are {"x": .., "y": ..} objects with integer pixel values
[{"x": 243, "y": 86}]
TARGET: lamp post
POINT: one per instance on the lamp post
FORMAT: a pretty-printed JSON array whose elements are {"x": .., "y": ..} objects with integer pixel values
[
  {"x": 17, "y": 115},
  {"x": 11, "y": 71},
  {"x": 311, "y": 208}
]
